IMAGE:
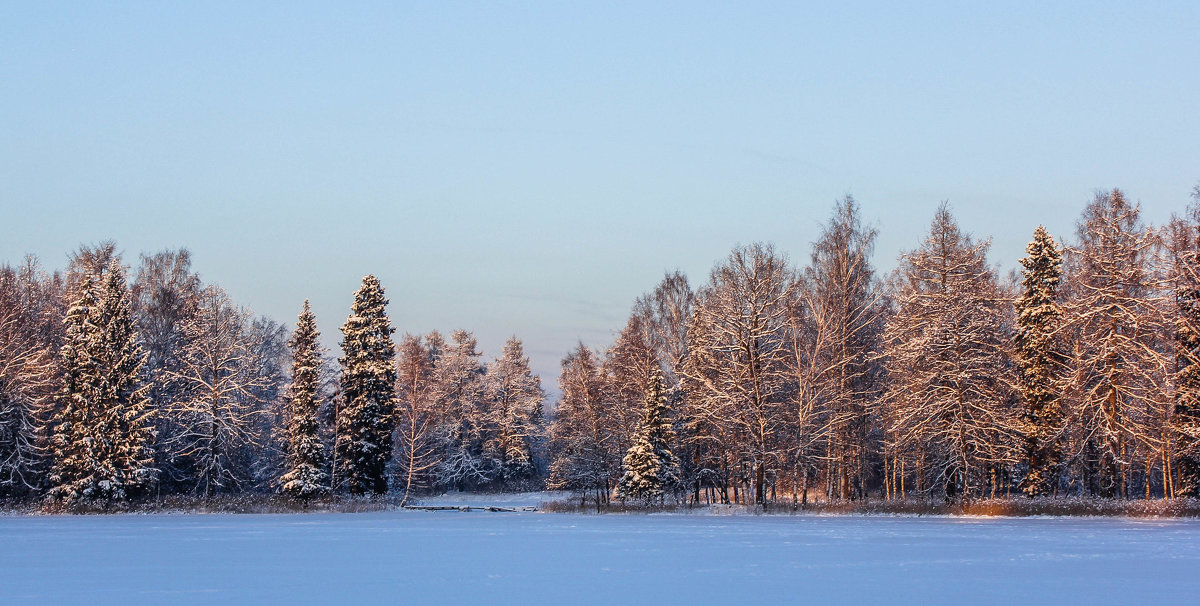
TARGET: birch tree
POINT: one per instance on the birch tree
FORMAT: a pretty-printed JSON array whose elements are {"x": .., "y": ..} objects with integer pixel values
[
  {"x": 216, "y": 429},
  {"x": 165, "y": 296},
  {"x": 417, "y": 450},
  {"x": 736, "y": 374},
  {"x": 27, "y": 373},
  {"x": 842, "y": 304}
]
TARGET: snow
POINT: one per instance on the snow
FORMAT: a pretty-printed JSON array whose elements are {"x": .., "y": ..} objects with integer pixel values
[
  {"x": 538, "y": 558},
  {"x": 499, "y": 499}
]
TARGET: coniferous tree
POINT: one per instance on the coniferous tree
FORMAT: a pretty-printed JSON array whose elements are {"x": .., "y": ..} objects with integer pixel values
[
  {"x": 306, "y": 457},
  {"x": 650, "y": 467},
  {"x": 365, "y": 419},
  {"x": 102, "y": 434},
  {"x": 1040, "y": 362}
]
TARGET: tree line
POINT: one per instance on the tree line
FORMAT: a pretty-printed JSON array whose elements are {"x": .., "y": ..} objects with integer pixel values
[
  {"x": 944, "y": 379},
  {"x": 112, "y": 391},
  {"x": 772, "y": 381}
]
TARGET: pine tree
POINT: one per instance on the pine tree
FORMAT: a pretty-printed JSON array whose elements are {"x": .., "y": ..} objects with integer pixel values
[
  {"x": 650, "y": 466},
  {"x": 306, "y": 456},
  {"x": 102, "y": 434},
  {"x": 1040, "y": 362},
  {"x": 365, "y": 420}
]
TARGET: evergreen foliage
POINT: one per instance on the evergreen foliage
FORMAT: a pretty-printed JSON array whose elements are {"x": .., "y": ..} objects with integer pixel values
[
  {"x": 102, "y": 434},
  {"x": 365, "y": 419},
  {"x": 306, "y": 457},
  {"x": 651, "y": 468},
  {"x": 1040, "y": 362}
]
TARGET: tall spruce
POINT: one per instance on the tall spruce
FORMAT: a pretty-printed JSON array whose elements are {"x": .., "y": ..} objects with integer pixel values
[
  {"x": 365, "y": 418},
  {"x": 1040, "y": 362},
  {"x": 650, "y": 467},
  {"x": 102, "y": 434},
  {"x": 306, "y": 457}
]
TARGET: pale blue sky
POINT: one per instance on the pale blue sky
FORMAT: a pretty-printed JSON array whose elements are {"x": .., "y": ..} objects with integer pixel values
[{"x": 530, "y": 168}]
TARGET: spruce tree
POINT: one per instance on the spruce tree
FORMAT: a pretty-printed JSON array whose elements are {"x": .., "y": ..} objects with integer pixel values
[
  {"x": 102, "y": 434},
  {"x": 306, "y": 457},
  {"x": 1040, "y": 362},
  {"x": 365, "y": 419},
  {"x": 650, "y": 466}
]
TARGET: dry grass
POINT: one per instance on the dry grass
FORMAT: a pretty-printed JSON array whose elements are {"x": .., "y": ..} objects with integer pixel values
[
  {"x": 187, "y": 504},
  {"x": 1011, "y": 507},
  {"x": 266, "y": 503}
]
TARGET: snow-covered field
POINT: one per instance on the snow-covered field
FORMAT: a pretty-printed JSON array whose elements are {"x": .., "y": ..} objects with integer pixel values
[{"x": 410, "y": 557}]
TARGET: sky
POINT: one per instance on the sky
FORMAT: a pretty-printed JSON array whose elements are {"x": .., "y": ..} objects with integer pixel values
[{"x": 530, "y": 168}]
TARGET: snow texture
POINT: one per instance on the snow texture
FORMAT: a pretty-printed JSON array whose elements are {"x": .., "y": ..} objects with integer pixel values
[{"x": 531, "y": 558}]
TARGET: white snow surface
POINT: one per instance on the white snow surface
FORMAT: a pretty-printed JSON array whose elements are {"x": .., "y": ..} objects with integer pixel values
[{"x": 424, "y": 557}]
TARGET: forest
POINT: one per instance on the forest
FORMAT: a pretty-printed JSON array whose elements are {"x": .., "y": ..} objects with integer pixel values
[{"x": 944, "y": 380}]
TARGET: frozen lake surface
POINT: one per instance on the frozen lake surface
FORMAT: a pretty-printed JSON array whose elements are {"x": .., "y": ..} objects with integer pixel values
[{"x": 506, "y": 558}]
